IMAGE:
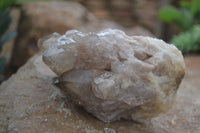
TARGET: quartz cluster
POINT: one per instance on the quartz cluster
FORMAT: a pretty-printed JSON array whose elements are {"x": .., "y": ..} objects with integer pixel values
[{"x": 114, "y": 76}]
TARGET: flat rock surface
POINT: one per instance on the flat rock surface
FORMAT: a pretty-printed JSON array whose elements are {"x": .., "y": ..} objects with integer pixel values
[{"x": 30, "y": 103}]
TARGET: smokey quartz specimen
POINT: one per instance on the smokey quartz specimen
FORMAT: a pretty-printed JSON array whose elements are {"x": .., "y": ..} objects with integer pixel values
[{"x": 113, "y": 75}]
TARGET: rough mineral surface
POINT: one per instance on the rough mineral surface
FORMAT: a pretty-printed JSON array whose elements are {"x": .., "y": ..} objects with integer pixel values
[{"x": 113, "y": 75}]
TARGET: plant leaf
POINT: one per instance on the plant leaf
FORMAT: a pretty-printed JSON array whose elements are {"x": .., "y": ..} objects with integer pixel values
[
  {"x": 184, "y": 4},
  {"x": 2, "y": 14},
  {"x": 188, "y": 41},
  {"x": 7, "y": 38},
  {"x": 2, "y": 60},
  {"x": 19, "y": 2},
  {"x": 168, "y": 14},
  {"x": 5, "y": 4},
  {"x": 1, "y": 1},
  {"x": 195, "y": 7},
  {"x": 4, "y": 24},
  {"x": 185, "y": 22}
]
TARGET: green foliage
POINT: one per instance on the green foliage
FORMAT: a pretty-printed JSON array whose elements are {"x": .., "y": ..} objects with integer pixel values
[
  {"x": 188, "y": 41},
  {"x": 186, "y": 18},
  {"x": 169, "y": 14},
  {"x": 25, "y": 1},
  {"x": 5, "y": 4},
  {"x": 2, "y": 59},
  {"x": 5, "y": 20},
  {"x": 185, "y": 4},
  {"x": 195, "y": 7}
]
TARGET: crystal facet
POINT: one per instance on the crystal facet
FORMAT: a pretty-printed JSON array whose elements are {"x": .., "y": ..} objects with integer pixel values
[{"x": 113, "y": 75}]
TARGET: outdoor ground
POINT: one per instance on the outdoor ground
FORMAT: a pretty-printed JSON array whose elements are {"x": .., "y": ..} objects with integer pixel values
[
  {"x": 192, "y": 76},
  {"x": 29, "y": 102}
]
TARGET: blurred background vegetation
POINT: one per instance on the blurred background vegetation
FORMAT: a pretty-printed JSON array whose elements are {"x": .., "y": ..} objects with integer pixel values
[
  {"x": 175, "y": 21},
  {"x": 187, "y": 18},
  {"x": 5, "y": 21}
]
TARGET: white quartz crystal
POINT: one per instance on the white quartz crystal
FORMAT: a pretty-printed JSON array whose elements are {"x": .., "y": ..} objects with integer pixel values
[{"x": 113, "y": 75}]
